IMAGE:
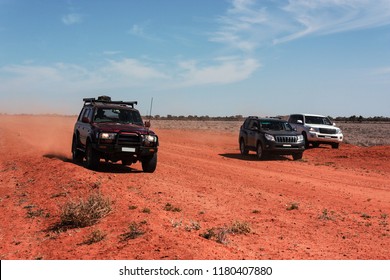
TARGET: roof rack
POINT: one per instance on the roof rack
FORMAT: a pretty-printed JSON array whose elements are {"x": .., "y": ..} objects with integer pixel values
[{"x": 107, "y": 99}]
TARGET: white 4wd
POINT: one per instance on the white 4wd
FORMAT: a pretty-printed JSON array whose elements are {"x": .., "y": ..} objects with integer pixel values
[{"x": 316, "y": 129}]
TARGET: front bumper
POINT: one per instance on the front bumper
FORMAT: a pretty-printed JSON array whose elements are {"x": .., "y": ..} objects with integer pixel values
[
  {"x": 324, "y": 138},
  {"x": 284, "y": 148},
  {"x": 119, "y": 152}
]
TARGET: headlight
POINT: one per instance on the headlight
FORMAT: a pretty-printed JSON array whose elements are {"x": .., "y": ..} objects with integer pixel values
[
  {"x": 149, "y": 140},
  {"x": 314, "y": 129},
  {"x": 107, "y": 135},
  {"x": 338, "y": 131},
  {"x": 300, "y": 138},
  {"x": 269, "y": 137}
]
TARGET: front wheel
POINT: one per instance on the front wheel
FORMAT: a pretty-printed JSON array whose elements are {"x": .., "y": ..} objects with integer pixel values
[
  {"x": 149, "y": 164},
  {"x": 259, "y": 151},
  {"x": 306, "y": 141},
  {"x": 243, "y": 149},
  {"x": 297, "y": 156},
  {"x": 92, "y": 158},
  {"x": 77, "y": 155},
  {"x": 335, "y": 145}
]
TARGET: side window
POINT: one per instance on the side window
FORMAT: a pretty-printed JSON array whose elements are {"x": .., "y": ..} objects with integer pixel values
[
  {"x": 293, "y": 119},
  {"x": 253, "y": 124},
  {"x": 81, "y": 114},
  {"x": 246, "y": 123},
  {"x": 89, "y": 114},
  {"x": 300, "y": 118}
]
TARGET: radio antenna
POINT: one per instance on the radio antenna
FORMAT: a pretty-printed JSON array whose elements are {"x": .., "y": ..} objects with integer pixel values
[{"x": 150, "y": 112}]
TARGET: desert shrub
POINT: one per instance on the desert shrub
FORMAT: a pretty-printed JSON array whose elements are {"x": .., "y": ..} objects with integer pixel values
[
  {"x": 135, "y": 230},
  {"x": 94, "y": 237},
  {"x": 85, "y": 212},
  {"x": 292, "y": 206},
  {"x": 170, "y": 207},
  {"x": 240, "y": 228},
  {"x": 192, "y": 226},
  {"x": 220, "y": 234}
]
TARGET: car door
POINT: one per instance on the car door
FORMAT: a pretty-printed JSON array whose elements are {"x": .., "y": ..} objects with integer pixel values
[
  {"x": 297, "y": 121},
  {"x": 253, "y": 129},
  {"x": 84, "y": 126}
]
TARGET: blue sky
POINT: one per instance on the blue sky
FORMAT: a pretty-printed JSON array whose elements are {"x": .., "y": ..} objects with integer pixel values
[{"x": 216, "y": 58}]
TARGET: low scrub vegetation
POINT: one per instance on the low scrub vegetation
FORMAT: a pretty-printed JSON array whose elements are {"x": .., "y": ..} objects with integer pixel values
[
  {"x": 135, "y": 230},
  {"x": 220, "y": 234},
  {"x": 94, "y": 237},
  {"x": 84, "y": 213}
]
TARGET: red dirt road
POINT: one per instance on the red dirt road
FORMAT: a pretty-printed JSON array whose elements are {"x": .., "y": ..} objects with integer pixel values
[{"x": 342, "y": 198}]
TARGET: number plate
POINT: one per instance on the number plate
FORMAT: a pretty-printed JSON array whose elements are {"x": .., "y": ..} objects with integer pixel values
[
  {"x": 286, "y": 145},
  {"x": 126, "y": 149}
]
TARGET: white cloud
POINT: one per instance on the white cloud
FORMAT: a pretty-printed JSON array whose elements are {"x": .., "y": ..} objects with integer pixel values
[
  {"x": 249, "y": 24},
  {"x": 224, "y": 71},
  {"x": 62, "y": 78},
  {"x": 132, "y": 69},
  {"x": 333, "y": 16},
  {"x": 72, "y": 18},
  {"x": 139, "y": 30}
]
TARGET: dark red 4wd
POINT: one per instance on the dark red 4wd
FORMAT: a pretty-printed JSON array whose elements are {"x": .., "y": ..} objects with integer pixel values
[{"x": 113, "y": 131}]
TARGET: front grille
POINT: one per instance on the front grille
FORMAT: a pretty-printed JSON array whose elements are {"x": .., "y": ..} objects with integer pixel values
[
  {"x": 328, "y": 130},
  {"x": 129, "y": 139},
  {"x": 286, "y": 139}
]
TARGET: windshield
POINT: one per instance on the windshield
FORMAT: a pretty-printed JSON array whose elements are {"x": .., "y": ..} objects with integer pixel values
[
  {"x": 117, "y": 116},
  {"x": 317, "y": 120},
  {"x": 275, "y": 125}
]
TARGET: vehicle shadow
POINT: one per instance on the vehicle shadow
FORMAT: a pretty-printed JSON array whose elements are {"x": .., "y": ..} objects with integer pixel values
[
  {"x": 252, "y": 157},
  {"x": 104, "y": 167},
  {"x": 109, "y": 167}
]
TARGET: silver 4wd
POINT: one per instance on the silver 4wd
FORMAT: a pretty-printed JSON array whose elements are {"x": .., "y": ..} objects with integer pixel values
[
  {"x": 316, "y": 129},
  {"x": 113, "y": 131}
]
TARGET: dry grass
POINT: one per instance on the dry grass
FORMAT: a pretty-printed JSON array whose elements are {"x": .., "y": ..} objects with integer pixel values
[
  {"x": 135, "y": 230},
  {"x": 84, "y": 213},
  {"x": 220, "y": 234}
]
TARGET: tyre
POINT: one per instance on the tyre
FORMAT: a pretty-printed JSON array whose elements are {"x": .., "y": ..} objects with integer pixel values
[
  {"x": 126, "y": 162},
  {"x": 77, "y": 155},
  {"x": 92, "y": 158},
  {"x": 315, "y": 145},
  {"x": 243, "y": 149},
  {"x": 149, "y": 164},
  {"x": 259, "y": 151},
  {"x": 306, "y": 141},
  {"x": 297, "y": 156},
  {"x": 335, "y": 145}
]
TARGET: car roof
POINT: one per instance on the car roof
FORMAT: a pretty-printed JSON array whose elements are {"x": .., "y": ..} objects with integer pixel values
[
  {"x": 267, "y": 119},
  {"x": 111, "y": 106},
  {"x": 310, "y": 115}
]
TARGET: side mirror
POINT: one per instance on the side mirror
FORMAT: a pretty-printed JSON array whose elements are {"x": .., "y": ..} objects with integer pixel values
[
  {"x": 299, "y": 122},
  {"x": 85, "y": 120},
  {"x": 334, "y": 124},
  {"x": 147, "y": 124}
]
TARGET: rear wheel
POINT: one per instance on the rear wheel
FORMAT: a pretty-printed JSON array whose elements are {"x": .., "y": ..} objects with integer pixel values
[
  {"x": 92, "y": 158},
  {"x": 259, "y": 151},
  {"x": 149, "y": 164},
  {"x": 77, "y": 155},
  {"x": 243, "y": 149}
]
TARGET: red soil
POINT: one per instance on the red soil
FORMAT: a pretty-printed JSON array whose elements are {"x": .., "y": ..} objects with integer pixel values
[{"x": 343, "y": 199}]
